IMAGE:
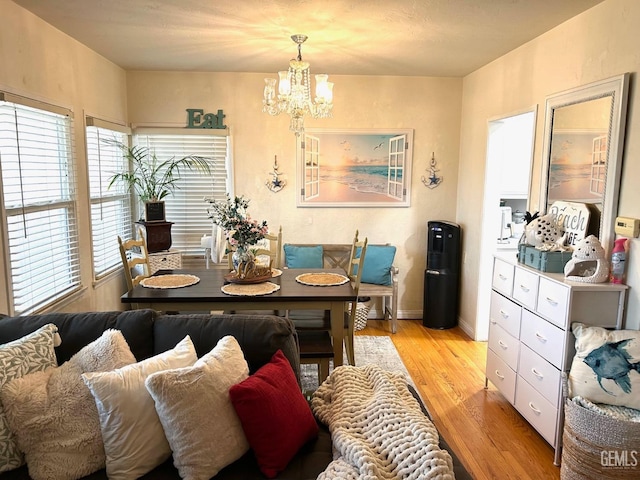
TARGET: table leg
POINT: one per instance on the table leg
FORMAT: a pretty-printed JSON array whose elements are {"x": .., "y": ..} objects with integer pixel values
[{"x": 337, "y": 331}]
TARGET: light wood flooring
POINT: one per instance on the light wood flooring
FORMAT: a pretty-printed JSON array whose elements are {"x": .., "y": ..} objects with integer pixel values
[{"x": 487, "y": 434}]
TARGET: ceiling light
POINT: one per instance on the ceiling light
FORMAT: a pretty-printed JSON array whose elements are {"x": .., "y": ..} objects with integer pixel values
[{"x": 293, "y": 94}]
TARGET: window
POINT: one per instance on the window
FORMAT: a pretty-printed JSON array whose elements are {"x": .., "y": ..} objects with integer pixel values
[
  {"x": 110, "y": 207},
  {"x": 38, "y": 202},
  {"x": 186, "y": 206}
]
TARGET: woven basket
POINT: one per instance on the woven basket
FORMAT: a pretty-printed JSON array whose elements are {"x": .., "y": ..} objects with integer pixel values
[
  {"x": 362, "y": 313},
  {"x": 596, "y": 446}
]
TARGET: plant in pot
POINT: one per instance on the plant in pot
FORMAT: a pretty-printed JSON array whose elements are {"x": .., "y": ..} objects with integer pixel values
[{"x": 152, "y": 179}]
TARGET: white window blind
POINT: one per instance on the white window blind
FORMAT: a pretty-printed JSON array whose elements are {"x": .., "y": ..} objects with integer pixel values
[
  {"x": 110, "y": 207},
  {"x": 186, "y": 206},
  {"x": 39, "y": 202}
]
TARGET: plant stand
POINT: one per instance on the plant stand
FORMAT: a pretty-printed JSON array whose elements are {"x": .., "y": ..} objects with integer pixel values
[{"x": 158, "y": 235}]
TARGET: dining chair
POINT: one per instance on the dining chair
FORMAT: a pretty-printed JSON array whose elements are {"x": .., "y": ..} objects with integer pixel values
[
  {"x": 135, "y": 259},
  {"x": 274, "y": 251},
  {"x": 313, "y": 331}
]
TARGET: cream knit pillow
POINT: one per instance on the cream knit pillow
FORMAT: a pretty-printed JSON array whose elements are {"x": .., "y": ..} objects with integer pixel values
[{"x": 195, "y": 410}]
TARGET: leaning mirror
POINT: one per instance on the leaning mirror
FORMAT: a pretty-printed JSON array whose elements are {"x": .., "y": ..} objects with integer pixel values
[{"x": 582, "y": 152}]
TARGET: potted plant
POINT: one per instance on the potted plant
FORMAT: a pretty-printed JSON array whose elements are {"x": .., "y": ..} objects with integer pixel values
[{"x": 152, "y": 179}]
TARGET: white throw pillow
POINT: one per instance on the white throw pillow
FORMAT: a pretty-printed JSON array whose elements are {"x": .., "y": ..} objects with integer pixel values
[
  {"x": 53, "y": 414},
  {"x": 31, "y": 353},
  {"x": 605, "y": 367},
  {"x": 134, "y": 441},
  {"x": 196, "y": 413}
]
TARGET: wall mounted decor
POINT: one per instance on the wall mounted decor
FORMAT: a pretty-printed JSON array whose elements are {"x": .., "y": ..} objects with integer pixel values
[
  {"x": 432, "y": 180},
  {"x": 275, "y": 183},
  {"x": 355, "y": 168},
  {"x": 582, "y": 153}
]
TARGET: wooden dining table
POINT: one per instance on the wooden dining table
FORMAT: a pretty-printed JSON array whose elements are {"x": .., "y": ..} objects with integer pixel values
[{"x": 207, "y": 295}]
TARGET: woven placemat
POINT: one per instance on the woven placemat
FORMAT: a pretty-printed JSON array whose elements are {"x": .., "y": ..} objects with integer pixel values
[
  {"x": 250, "y": 290},
  {"x": 322, "y": 279},
  {"x": 173, "y": 280}
]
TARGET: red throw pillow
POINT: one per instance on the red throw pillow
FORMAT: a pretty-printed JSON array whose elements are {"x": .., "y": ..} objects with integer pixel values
[{"x": 275, "y": 416}]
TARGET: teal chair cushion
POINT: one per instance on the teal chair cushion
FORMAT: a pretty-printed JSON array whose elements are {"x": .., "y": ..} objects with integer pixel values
[{"x": 303, "y": 256}]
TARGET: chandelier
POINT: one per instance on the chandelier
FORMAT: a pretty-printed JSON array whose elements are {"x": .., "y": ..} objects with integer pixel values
[{"x": 294, "y": 92}]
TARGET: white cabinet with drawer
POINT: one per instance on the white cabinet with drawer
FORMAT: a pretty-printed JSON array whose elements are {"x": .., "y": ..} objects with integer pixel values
[{"x": 530, "y": 340}]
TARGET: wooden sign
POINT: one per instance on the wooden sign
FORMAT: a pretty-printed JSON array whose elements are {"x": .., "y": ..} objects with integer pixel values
[{"x": 196, "y": 118}]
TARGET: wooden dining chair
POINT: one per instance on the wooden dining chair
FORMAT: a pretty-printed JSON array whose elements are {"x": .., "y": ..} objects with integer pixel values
[
  {"x": 316, "y": 344},
  {"x": 275, "y": 248},
  {"x": 135, "y": 259}
]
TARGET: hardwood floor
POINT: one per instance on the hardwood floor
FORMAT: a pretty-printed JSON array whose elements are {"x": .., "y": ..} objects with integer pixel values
[{"x": 487, "y": 434}]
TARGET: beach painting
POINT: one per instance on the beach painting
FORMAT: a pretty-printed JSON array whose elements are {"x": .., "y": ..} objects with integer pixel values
[
  {"x": 578, "y": 167},
  {"x": 355, "y": 168}
]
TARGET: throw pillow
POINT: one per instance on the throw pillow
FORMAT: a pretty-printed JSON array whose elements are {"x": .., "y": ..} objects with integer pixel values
[
  {"x": 303, "y": 256},
  {"x": 605, "y": 366},
  {"x": 378, "y": 261},
  {"x": 275, "y": 416},
  {"x": 193, "y": 404},
  {"x": 54, "y": 416},
  {"x": 31, "y": 353},
  {"x": 134, "y": 442}
]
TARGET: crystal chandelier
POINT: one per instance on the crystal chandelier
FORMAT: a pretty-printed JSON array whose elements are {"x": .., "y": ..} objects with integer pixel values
[{"x": 294, "y": 92}]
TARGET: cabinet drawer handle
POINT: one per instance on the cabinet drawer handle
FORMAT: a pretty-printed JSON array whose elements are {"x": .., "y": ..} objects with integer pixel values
[
  {"x": 541, "y": 337},
  {"x": 502, "y": 344},
  {"x": 552, "y": 302},
  {"x": 493, "y": 322},
  {"x": 533, "y": 407},
  {"x": 524, "y": 288},
  {"x": 537, "y": 373},
  {"x": 502, "y": 277},
  {"x": 504, "y": 314},
  {"x": 500, "y": 376}
]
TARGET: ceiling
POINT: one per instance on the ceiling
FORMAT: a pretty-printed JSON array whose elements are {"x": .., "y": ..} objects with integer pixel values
[{"x": 448, "y": 38}]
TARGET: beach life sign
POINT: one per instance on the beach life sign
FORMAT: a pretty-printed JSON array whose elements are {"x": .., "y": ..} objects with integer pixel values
[{"x": 574, "y": 218}]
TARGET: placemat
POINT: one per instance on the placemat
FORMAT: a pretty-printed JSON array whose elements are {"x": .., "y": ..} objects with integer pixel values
[
  {"x": 173, "y": 280},
  {"x": 250, "y": 290},
  {"x": 321, "y": 279},
  {"x": 276, "y": 272}
]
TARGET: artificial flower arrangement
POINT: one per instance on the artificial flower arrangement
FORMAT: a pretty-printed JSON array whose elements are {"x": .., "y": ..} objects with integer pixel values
[{"x": 241, "y": 231}]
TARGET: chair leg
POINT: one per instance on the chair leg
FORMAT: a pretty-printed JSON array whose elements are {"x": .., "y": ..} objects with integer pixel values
[
  {"x": 323, "y": 370},
  {"x": 348, "y": 343}
]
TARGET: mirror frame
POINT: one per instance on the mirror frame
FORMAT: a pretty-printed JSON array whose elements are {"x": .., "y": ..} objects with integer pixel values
[{"x": 616, "y": 87}]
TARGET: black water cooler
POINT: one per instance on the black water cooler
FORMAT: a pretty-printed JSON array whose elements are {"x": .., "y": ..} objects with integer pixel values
[{"x": 442, "y": 276}]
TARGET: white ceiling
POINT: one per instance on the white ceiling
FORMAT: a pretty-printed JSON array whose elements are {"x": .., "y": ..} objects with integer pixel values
[{"x": 351, "y": 37}]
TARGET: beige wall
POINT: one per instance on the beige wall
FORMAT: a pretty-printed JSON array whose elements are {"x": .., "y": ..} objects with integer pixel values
[
  {"x": 598, "y": 44},
  {"x": 430, "y": 106},
  {"x": 40, "y": 62}
]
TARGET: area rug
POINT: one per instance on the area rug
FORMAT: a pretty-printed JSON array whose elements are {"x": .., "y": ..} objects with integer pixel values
[{"x": 376, "y": 350}]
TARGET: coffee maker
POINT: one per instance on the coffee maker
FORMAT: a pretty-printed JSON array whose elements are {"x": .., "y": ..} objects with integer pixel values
[{"x": 505, "y": 230}]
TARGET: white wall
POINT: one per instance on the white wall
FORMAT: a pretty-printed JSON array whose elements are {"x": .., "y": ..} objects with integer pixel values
[{"x": 597, "y": 44}]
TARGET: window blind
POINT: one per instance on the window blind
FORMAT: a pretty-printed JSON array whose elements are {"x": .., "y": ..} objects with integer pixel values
[
  {"x": 110, "y": 207},
  {"x": 39, "y": 203},
  {"x": 186, "y": 206}
]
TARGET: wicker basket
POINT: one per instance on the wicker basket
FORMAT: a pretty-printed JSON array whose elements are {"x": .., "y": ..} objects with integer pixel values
[
  {"x": 362, "y": 313},
  {"x": 168, "y": 260},
  {"x": 596, "y": 446}
]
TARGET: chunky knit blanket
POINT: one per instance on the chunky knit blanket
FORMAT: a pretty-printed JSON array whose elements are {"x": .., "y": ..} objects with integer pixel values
[{"x": 377, "y": 428}]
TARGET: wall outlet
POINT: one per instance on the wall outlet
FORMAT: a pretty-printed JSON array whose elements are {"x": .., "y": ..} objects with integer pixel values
[{"x": 627, "y": 227}]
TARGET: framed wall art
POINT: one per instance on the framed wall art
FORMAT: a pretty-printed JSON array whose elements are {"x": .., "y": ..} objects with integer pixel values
[{"x": 355, "y": 168}]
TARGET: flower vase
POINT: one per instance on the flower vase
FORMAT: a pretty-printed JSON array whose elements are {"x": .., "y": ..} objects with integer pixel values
[{"x": 240, "y": 257}]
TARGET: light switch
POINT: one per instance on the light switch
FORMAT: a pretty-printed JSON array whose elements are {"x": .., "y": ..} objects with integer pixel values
[{"x": 627, "y": 227}]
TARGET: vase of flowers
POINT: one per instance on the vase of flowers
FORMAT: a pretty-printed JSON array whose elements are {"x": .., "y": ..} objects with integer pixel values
[{"x": 241, "y": 231}]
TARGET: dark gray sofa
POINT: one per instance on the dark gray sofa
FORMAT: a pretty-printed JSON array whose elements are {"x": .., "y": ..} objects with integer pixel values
[{"x": 149, "y": 333}]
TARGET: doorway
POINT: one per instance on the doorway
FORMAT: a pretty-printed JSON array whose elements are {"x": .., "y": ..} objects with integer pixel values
[{"x": 510, "y": 141}]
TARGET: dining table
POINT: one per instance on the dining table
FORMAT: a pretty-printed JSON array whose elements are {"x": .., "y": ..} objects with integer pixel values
[{"x": 206, "y": 293}]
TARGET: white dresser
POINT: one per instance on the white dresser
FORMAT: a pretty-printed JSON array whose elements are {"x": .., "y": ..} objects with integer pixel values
[{"x": 530, "y": 339}]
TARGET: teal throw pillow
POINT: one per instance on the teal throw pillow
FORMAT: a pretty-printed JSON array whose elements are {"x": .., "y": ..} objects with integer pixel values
[
  {"x": 303, "y": 256},
  {"x": 377, "y": 264}
]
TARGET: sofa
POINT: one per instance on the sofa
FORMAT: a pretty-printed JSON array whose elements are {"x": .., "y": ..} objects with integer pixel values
[{"x": 150, "y": 333}]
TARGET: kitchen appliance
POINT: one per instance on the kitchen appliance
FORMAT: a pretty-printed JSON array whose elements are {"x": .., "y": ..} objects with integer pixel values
[
  {"x": 442, "y": 276},
  {"x": 505, "y": 231}
]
